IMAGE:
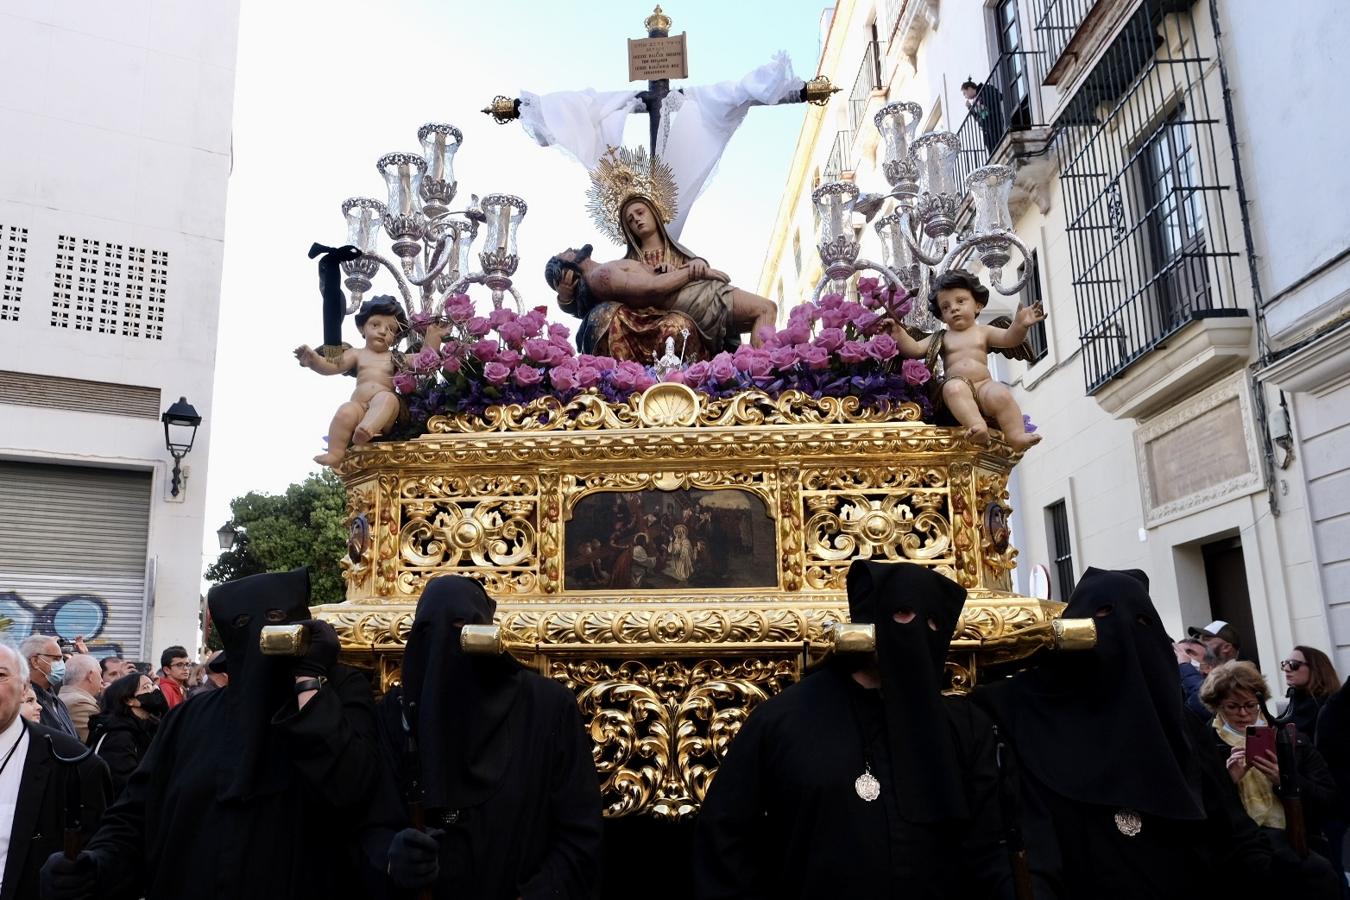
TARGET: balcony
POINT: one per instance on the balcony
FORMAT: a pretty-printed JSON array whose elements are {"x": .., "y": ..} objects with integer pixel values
[
  {"x": 1058, "y": 23},
  {"x": 839, "y": 165},
  {"x": 867, "y": 81}
]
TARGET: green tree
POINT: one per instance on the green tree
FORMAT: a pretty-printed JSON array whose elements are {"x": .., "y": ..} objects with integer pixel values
[{"x": 305, "y": 526}]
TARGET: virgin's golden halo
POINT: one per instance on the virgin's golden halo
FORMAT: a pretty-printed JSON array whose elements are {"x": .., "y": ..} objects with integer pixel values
[{"x": 623, "y": 174}]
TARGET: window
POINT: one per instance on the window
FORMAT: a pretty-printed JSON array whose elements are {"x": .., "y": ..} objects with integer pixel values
[
  {"x": 15, "y": 242},
  {"x": 1030, "y": 296},
  {"x": 1175, "y": 217},
  {"x": 109, "y": 288},
  {"x": 1011, "y": 72},
  {"x": 1057, "y": 520},
  {"x": 797, "y": 252}
]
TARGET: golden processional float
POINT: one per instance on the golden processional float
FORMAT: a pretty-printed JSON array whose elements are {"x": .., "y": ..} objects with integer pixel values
[{"x": 670, "y": 541}]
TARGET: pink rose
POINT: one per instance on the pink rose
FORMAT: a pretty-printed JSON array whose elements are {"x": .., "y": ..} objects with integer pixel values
[
  {"x": 767, "y": 336},
  {"x": 833, "y": 318},
  {"x": 644, "y": 381},
  {"x": 851, "y": 308},
  {"x": 585, "y": 359},
  {"x": 499, "y": 317},
  {"x": 405, "y": 383},
  {"x": 915, "y": 371},
  {"x": 831, "y": 301},
  {"x": 558, "y": 331},
  {"x": 485, "y": 350},
  {"x": 853, "y": 352},
  {"x": 625, "y": 375},
  {"x": 603, "y": 363},
  {"x": 865, "y": 320},
  {"x": 459, "y": 308},
  {"x": 420, "y": 321},
  {"x": 496, "y": 373},
  {"x": 815, "y": 357},
  {"x": 513, "y": 333},
  {"x": 803, "y": 312},
  {"x": 539, "y": 350},
  {"x": 868, "y": 286},
  {"x": 783, "y": 358},
  {"x": 508, "y": 358},
  {"x": 830, "y": 338},
  {"x": 533, "y": 323},
  {"x": 723, "y": 368},
  {"x": 478, "y": 326},
  {"x": 527, "y": 376},
  {"x": 564, "y": 377},
  {"x": 795, "y": 333},
  {"x": 426, "y": 361},
  {"x": 587, "y": 377},
  {"x": 676, "y": 376},
  {"x": 760, "y": 365},
  {"x": 451, "y": 364},
  {"x": 696, "y": 374},
  {"x": 882, "y": 347}
]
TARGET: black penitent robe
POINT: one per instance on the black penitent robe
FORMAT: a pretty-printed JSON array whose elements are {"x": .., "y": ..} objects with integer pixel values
[
  {"x": 539, "y": 834},
  {"x": 170, "y": 837},
  {"x": 782, "y": 818}
]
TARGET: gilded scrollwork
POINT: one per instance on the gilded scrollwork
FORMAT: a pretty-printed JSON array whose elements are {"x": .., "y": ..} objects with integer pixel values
[
  {"x": 1000, "y": 557},
  {"x": 358, "y": 562},
  {"x": 660, "y": 730}
]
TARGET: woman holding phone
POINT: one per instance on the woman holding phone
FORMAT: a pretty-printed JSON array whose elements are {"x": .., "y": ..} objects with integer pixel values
[{"x": 1236, "y": 692}]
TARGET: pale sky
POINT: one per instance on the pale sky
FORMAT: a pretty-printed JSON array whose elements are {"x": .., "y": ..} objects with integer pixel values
[{"x": 325, "y": 87}]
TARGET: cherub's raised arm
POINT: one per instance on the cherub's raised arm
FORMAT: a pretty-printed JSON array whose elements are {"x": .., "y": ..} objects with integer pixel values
[
  {"x": 910, "y": 348},
  {"x": 311, "y": 359},
  {"x": 636, "y": 286},
  {"x": 1015, "y": 333}
]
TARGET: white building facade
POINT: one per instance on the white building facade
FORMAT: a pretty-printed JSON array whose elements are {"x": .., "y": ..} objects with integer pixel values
[
  {"x": 113, "y": 170},
  {"x": 1177, "y": 182}
]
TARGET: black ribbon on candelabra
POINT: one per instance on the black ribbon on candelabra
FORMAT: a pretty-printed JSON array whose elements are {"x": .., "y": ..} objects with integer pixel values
[{"x": 330, "y": 286}]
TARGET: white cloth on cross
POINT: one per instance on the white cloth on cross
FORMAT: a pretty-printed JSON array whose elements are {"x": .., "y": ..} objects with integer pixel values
[{"x": 697, "y": 122}]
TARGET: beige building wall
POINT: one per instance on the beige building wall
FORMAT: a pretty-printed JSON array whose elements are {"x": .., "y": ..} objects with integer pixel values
[{"x": 1132, "y": 457}]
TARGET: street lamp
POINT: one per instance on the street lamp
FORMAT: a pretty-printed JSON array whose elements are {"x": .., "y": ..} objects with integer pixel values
[
  {"x": 226, "y": 535},
  {"x": 180, "y": 430}
]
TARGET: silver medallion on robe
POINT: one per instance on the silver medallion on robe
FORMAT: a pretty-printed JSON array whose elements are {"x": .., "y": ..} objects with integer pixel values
[
  {"x": 867, "y": 785},
  {"x": 1128, "y": 822}
]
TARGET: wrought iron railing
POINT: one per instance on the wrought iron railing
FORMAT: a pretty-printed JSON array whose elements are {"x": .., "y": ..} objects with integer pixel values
[
  {"x": 1056, "y": 22},
  {"x": 1002, "y": 104},
  {"x": 1145, "y": 210},
  {"x": 838, "y": 162},
  {"x": 867, "y": 81}
]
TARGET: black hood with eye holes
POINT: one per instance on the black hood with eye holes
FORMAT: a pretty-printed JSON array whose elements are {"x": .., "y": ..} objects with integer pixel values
[
  {"x": 1106, "y": 726},
  {"x": 911, "y": 658},
  {"x": 259, "y": 685}
]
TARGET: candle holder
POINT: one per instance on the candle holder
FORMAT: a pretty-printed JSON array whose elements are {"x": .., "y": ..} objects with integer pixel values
[
  {"x": 837, "y": 246},
  {"x": 404, "y": 221},
  {"x": 897, "y": 123},
  {"x": 498, "y": 255},
  {"x": 439, "y": 143},
  {"x": 939, "y": 192},
  {"x": 364, "y": 217}
]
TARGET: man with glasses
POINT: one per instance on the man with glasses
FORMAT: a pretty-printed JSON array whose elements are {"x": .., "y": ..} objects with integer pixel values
[
  {"x": 47, "y": 668},
  {"x": 175, "y": 667}
]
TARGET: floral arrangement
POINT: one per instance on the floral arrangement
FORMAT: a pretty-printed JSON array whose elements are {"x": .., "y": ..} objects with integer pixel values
[{"x": 832, "y": 348}]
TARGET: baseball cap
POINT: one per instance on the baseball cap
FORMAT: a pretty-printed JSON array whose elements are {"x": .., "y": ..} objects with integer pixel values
[{"x": 1219, "y": 629}]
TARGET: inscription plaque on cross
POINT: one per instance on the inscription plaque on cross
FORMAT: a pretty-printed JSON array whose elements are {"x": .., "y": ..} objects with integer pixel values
[{"x": 658, "y": 58}]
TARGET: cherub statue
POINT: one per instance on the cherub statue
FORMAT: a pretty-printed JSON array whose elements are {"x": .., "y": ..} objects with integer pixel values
[
  {"x": 968, "y": 388},
  {"x": 374, "y": 405}
]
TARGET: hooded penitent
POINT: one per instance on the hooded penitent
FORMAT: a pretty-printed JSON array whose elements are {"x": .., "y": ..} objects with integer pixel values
[
  {"x": 1106, "y": 726},
  {"x": 260, "y": 685},
  {"x": 458, "y": 706},
  {"x": 910, "y": 658}
]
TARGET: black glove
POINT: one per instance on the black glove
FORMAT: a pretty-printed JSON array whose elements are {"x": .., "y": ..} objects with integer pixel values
[
  {"x": 414, "y": 858},
  {"x": 68, "y": 879},
  {"x": 323, "y": 650}
]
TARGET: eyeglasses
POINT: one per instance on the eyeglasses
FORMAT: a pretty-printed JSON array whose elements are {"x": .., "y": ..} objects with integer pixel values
[
  {"x": 1239, "y": 707},
  {"x": 1292, "y": 665}
]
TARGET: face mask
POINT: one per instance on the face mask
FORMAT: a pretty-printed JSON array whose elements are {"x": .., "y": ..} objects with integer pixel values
[
  {"x": 1195, "y": 663},
  {"x": 57, "y": 673},
  {"x": 153, "y": 702}
]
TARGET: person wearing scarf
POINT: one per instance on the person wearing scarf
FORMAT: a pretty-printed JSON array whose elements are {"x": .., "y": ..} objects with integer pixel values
[
  {"x": 862, "y": 780},
  {"x": 255, "y": 790},
  {"x": 500, "y": 762}
]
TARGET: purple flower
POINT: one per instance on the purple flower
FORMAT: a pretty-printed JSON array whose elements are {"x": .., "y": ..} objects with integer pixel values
[
  {"x": 426, "y": 361},
  {"x": 868, "y": 286},
  {"x": 831, "y": 301},
  {"x": 1027, "y": 424},
  {"x": 853, "y": 352},
  {"x": 405, "y": 382},
  {"x": 513, "y": 333},
  {"x": 644, "y": 381},
  {"x": 564, "y": 377},
  {"x": 527, "y": 376},
  {"x": 587, "y": 376},
  {"x": 833, "y": 318},
  {"x": 539, "y": 350},
  {"x": 603, "y": 363},
  {"x": 783, "y": 358},
  {"x": 478, "y": 326},
  {"x": 830, "y": 338},
  {"x": 865, "y": 320},
  {"x": 451, "y": 364},
  {"x": 499, "y": 317},
  {"x": 533, "y": 322},
  {"x": 767, "y": 336},
  {"x": 723, "y": 368},
  {"x": 795, "y": 333},
  {"x": 420, "y": 321},
  {"x": 696, "y": 374},
  {"x": 459, "y": 308},
  {"x": 508, "y": 358},
  {"x": 625, "y": 375},
  {"x": 485, "y": 350},
  {"x": 915, "y": 372},
  {"x": 814, "y": 357},
  {"x": 558, "y": 331},
  {"x": 496, "y": 373},
  {"x": 882, "y": 347},
  {"x": 761, "y": 364}
]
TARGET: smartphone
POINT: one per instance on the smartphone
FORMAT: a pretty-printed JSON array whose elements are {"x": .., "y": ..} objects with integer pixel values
[{"x": 1260, "y": 741}]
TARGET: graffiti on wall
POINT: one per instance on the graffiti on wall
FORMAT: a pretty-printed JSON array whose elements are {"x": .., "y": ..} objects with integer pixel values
[{"x": 68, "y": 617}]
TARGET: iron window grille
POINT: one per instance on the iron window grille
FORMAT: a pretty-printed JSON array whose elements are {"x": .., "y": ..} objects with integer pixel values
[{"x": 1061, "y": 545}]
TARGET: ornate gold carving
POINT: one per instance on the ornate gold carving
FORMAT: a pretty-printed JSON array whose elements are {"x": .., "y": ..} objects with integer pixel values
[
  {"x": 668, "y": 404},
  {"x": 999, "y": 556},
  {"x": 357, "y": 563},
  {"x": 660, "y": 730}
]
